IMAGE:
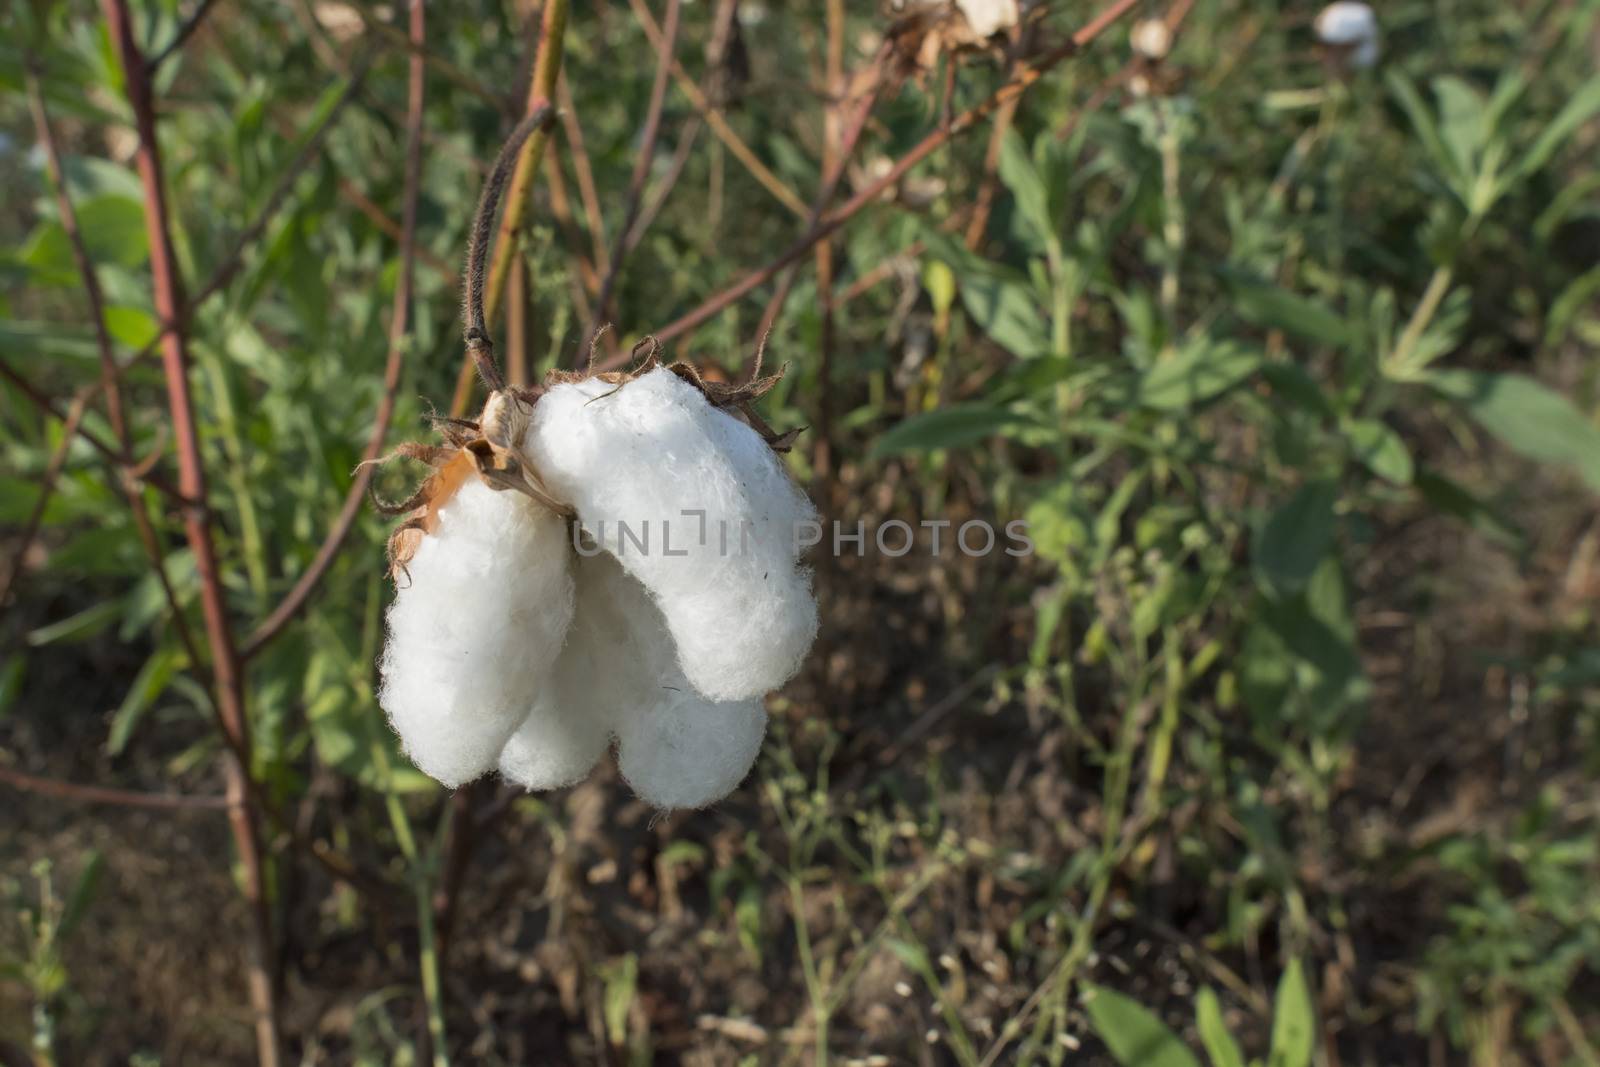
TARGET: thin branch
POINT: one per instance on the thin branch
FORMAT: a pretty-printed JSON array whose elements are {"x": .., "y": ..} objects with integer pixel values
[
  {"x": 185, "y": 31},
  {"x": 718, "y": 123},
  {"x": 226, "y": 669},
  {"x": 1025, "y": 76},
  {"x": 122, "y": 798},
  {"x": 47, "y": 487},
  {"x": 641, "y": 171},
  {"x": 480, "y": 346},
  {"x": 541, "y": 88},
  {"x": 110, "y": 376},
  {"x": 399, "y": 333},
  {"x": 669, "y": 180},
  {"x": 572, "y": 130}
]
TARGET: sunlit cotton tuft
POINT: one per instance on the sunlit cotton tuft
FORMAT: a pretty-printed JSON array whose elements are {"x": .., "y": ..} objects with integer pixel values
[
  {"x": 1352, "y": 26},
  {"x": 479, "y": 617},
  {"x": 695, "y": 505}
]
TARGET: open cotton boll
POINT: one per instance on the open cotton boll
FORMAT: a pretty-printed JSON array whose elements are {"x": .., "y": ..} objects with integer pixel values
[
  {"x": 639, "y": 461},
  {"x": 474, "y": 631},
  {"x": 989, "y": 17},
  {"x": 1349, "y": 24}
]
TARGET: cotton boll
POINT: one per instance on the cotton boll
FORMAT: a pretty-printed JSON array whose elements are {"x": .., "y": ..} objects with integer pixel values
[
  {"x": 989, "y": 17},
  {"x": 475, "y": 629},
  {"x": 1352, "y": 26},
  {"x": 637, "y": 461}
]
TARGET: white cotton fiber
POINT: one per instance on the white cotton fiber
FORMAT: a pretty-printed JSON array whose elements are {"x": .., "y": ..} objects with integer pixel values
[
  {"x": 1353, "y": 25},
  {"x": 619, "y": 671},
  {"x": 989, "y": 17},
  {"x": 737, "y": 603},
  {"x": 475, "y": 626},
  {"x": 687, "y": 752}
]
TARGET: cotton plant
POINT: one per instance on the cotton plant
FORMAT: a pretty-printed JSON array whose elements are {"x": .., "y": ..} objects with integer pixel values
[{"x": 604, "y": 558}]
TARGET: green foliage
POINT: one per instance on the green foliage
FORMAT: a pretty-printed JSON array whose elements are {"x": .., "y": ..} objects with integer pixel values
[{"x": 1254, "y": 353}]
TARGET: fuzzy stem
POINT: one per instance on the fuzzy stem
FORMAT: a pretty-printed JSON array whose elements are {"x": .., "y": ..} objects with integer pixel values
[{"x": 541, "y": 88}]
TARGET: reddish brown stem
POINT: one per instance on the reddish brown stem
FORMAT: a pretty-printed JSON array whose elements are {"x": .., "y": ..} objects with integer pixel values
[
  {"x": 47, "y": 486},
  {"x": 122, "y": 798},
  {"x": 572, "y": 130},
  {"x": 641, "y": 173},
  {"x": 226, "y": 670},
  {"x": 399, "y": 330},
  {"x": 1027, "y": 73}
]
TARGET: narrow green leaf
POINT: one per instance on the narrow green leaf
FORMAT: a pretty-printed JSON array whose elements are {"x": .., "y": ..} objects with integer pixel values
[
  {"x": 951, "y": 427},
  {"x": 1531, "y": 418},
  {"x": 1135, "y": 1037},
  {"x": 1584, "y": 103},
  {"x": 1270, "y": 306},
  {"x": 1200, "y": 371},
  {"x": 148, "y": 685},
  {"x": 11, "y": 675},
  {"x": 85, "y": 623},
  {"x": 1214, "y": 1035},
  {"x": 1294, "y": 1024},
  {"x": 83, "y": 891},
  {"x": 1380, "y": 449},
  {"x": 1293, "y": 540},
  {"x": 1022, "y": 178}
]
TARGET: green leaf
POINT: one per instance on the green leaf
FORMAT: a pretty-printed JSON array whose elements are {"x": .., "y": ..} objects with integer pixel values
[
  {"x": 1461, "y": 120},
  {"x": 1421, "y": 117},
  {"x": 1451, "y": 498},
  {"x": 1270, "y": 306},
  {"x": 83, "y": 891},
  {"x": 84, "y": 624},
  {"x": 113, "y": 232},
  {"x": 1214, "y": 1035},
  {"x": 1584, "y": 103},
  {"x": 951, "y": 427},
  {"x": 11, "y": 675},
  {"x": 1201, "y": 370},
  {"x": 1293, "y": 540},
  {"x": 1135, "y": 1037},
  {"x": 1007, "y": 311},
  {"x": 1294, "y": 1024},
  {"x": 1532, "y": 419},
  {"x": 148, "y": 685},
  {"x": 1380, "y": 449},
  {"x": 621, "y": 983},
  {"x": 1022, "y": 178},
  {"x": 1296, "y": 386}
]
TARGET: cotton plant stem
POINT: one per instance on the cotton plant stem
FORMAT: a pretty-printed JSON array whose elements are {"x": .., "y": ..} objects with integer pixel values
[
  {"x": 226, "y": 669},
  {"x": 541, "y": 91},
  {"x": 121, "y": 798}
]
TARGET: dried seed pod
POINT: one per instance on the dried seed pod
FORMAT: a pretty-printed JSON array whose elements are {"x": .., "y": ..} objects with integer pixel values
[
  {"x": 696, "y": 506},
  {"x": 475, "y": 629}
]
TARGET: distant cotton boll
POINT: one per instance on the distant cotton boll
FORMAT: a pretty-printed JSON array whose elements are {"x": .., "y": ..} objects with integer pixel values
[
  {"x": 477, "y": 621},
  {"x": 989, "y": 17},
  {"x": 1151, "y": 39},
  {"x": 1350, "y": 25},
  {"x": 737, "y": 603}
]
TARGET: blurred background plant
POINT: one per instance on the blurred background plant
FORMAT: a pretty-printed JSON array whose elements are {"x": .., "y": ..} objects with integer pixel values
[{"x": 1281, "y": 747}]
